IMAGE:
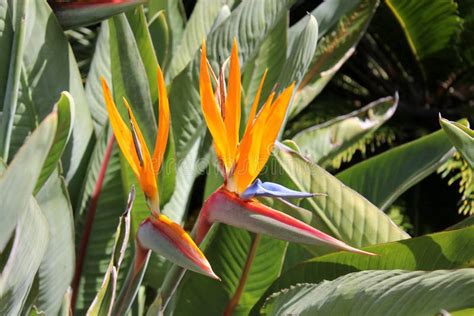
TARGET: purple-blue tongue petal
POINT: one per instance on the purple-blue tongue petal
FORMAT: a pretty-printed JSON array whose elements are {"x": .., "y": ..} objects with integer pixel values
[{"x": 270, "y": 189}]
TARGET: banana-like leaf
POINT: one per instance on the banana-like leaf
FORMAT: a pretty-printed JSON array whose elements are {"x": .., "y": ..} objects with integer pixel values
[
  {"x": 328, "y": 14},
  {"x": 18, "y": 181},
  {"x": 129, "y": 77},
  {"x": 334, "y": 48},
  {"x": 428, "y": 25},
  {"x": 445, "y": 250},
  {"x": 159, "y": 33},
  {"x": 394, "y": 292},
  {"x": 343, "y": 213},
  {"x": 323, "y": 143},
  {"x": 57, "y": 267},
  {"x": 271, "y": 57},
  {"x": 45, "y": 44},
  {"x": 38, "y": 85},
  {"x": 100, "y": 66},
  {"x": 109, "y": 207},
  {"x": 299, "y": 58},
  {"x": 200, "y": 22},
  {"x": 139, "y": 27},
  {"x": 175, "y": 19},
  {"x": 65, "y": 109},
  {"x": 462, "y": 137},
  {"x": 383, "y": 178},
  {"x": 20, "y": 261},
  {"x": 105, "y": 298}
]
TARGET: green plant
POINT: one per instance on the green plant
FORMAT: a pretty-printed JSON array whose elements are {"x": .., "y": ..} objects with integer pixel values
[{"x": 65, "y": 240}]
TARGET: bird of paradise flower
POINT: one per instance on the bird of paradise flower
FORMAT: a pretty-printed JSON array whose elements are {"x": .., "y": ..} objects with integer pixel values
[
  {"x": 241, "y": 161},
  {"x": 157, "y": 232}
]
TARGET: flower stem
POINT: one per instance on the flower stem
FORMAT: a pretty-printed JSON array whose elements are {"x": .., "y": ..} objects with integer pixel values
[
  {"x": 243, "y": 278},
  {"x": 91, "y": 210}
]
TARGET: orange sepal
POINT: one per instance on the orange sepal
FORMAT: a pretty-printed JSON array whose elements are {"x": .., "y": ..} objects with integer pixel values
[
  {"x": 121, "y": 130},
  {"x": 212, "y": 113},
  {"x": 163, "y": 123},
  {"x": 232, "y": 103}
]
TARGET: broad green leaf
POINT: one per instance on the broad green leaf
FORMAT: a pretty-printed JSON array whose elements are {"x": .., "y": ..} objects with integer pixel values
[
  {"x": 383, "y": 178},
  {"x": 271, "y": 57},
  {"x": 46, "y": 42},
  {"x": 175, "y": 19},
  {"x": 159, "y": 33},
  {"x": 202, "y": 18},
  {"x": 445, "y": 250},
  {"x": 105, "y": 298},
  {"x": 129, "y": 77},
  {"x": 462, "y": 137},
  {"x": 139, "y": 27},
  {"x": 65, "y": 109},
  {"x": 335, "y": 47},
  {"x": 299, "y": 57},
  {"x": 343, "y": 213},
  {"x": 21, "y": 259},
  {"x": 327, "y": 14},
  {"x": 18, "y": 181},
  {"x": 323, "y": 143},
  {"x": 394, "y": 292},
  {"x": 100, "y": 66},
  {"x": 429, "y": 26},
  {"x": 110, "y": 200},
  {"x": 57, "y": 267}
]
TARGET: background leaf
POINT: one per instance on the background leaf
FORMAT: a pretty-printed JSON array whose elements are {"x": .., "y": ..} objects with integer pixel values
[
  {"x": 22, "y": 258},
  {"x": 323, "y": 143},
  {"x": 444, "y": 250},
  {"x": 343, "y": 213},
  {"x": 395, "y": 292},
  {"x": 18, "y": 181},
  {"x": 383, "y": 178},
  {"x": 57, "y": 267},
  {"x": 65, "y": 110},
  {"x": 348, "y": 21}
]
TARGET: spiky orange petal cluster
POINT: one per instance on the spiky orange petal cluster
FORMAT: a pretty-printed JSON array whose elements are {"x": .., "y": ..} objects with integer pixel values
[
  {"x": 242, "y": 160},
  {"x": 132, "y": 143}
]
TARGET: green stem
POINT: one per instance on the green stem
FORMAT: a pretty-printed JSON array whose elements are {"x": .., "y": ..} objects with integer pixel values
[{"x": 11, "y": 96}]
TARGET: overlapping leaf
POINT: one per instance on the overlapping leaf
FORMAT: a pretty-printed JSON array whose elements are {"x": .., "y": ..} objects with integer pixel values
[
  {"x": 383, "y": 178},
  {"x": 322, "y": 143},
  {"x": 394, "y": 292}
]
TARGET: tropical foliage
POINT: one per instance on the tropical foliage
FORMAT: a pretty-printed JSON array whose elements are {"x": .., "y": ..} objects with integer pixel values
[{"x": 236, "y": 157}]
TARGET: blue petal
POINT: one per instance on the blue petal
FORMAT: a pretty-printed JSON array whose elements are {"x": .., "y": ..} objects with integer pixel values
[{"x": 270, "y": 189}]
